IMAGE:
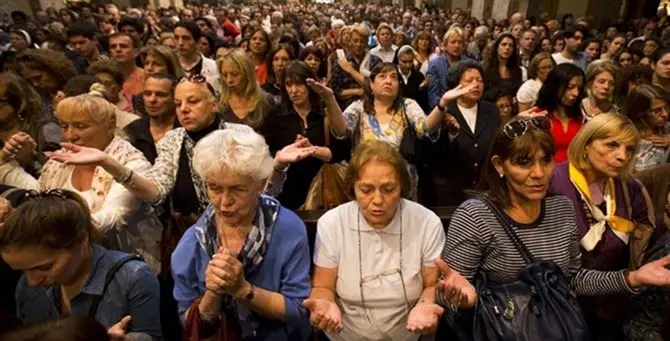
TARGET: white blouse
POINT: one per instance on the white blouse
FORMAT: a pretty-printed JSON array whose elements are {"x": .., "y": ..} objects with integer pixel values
[{"x": 338, "y": 246}]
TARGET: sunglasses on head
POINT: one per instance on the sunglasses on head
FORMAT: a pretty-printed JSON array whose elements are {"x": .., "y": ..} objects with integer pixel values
[
  {"x": 198, "y": 79},
  {"x": 518, "y": 127}
]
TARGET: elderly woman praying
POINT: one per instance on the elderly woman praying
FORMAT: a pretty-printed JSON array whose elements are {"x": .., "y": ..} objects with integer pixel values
[{"x": 243, "y": 268}]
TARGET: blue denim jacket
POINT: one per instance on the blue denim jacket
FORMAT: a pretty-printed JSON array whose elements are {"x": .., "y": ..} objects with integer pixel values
[{"x": 133, "y": 291}]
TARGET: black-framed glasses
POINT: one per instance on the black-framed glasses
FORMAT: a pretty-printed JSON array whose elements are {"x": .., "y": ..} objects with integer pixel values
[
  {"x": 518, "y": 127},
  {"x": 198, "y": 79}
]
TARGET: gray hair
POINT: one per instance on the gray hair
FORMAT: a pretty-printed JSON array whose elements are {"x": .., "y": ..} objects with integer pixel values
[
  {"x": 481, "y": 32},
  {"x": 240, "y": 150}
]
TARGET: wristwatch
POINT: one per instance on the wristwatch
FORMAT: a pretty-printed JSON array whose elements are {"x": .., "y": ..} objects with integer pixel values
[{"x": 250, "y": 295}]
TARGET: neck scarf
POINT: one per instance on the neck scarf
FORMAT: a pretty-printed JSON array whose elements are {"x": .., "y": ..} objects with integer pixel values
[{"x": 620, "y": 226}]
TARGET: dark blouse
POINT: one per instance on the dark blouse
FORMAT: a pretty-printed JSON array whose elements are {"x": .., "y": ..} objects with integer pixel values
[
  {"x": 494, "y": 84},
  {"x": 281, "y": 129},
  {"x": 341, "y": 80},
  {"x": 184, "y": 198},
  {"x": 139, "y": 135},
  {"x": 229, "y": 116}
]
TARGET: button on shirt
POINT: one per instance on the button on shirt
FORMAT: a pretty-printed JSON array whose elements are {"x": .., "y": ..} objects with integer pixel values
[
  {"x": 133, "y": 291},
  {"x": 337, "y": 246}
]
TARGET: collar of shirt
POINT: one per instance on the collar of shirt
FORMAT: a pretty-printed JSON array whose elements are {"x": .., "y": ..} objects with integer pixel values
[
  {"x": 392, "y": 228},
  {"x": 405, "y": 78},
  {"x": 196, "y": 68}
]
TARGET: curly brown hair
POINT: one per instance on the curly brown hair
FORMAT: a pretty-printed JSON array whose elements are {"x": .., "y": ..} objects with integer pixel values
[
  {"x": 53, "y": 62},
  {"x": 26, "y": 104}
]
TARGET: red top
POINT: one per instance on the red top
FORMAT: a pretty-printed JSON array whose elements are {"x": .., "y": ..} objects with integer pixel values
[
  {"x": 562, "y": 138},
  {"x": 261, "y": 74}
]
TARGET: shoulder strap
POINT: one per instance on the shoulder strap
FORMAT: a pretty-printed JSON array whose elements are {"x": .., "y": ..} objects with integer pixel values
[
  {"x": 403, "y": 111},
  {"x": 626, "y": 198},
  {"x": 507, "y": 227},
  {"x": 110, "y": 276}
]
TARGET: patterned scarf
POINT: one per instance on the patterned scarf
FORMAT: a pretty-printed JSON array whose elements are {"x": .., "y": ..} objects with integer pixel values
[
  {"x": 198, "y": 184},
  {"x": 251, "y": 255},
  {"x": 598, "y": 220}
]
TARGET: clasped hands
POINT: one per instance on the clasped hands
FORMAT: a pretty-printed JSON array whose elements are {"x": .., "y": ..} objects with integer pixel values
[{"x": 225, "y": 275}]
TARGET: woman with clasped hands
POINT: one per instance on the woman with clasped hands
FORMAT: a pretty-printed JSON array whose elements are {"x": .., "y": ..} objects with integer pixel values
[
  {"x": 374, "y": 277},
  {"x": 242, "y": 270}
]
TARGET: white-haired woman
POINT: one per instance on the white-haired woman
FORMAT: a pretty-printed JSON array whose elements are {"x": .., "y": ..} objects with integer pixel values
[
  {"x": 243, "y": 268},
  {"x": 125, "y": 222}
]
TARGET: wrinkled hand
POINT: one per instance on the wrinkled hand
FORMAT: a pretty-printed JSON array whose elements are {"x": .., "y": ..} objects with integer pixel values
[
  {"x": 225, "y": 275},
  {"x": 118, "y": 331},
  {"x": 424, "y": 317},
  {"x": 19, "y": 147},
  {"x": 293, "y": 153},
  {"x": 456, "y": 92},
  {"x": 320, "y": 88},
  {"x": 651, "y": 274},
  {"x": 78, "y": 155},
  {"x": 659, "y": 140},
  {"x": 452, "y": 124},
  {"x": 324, "y": 315},
  {"x": 457, "y": 289}
]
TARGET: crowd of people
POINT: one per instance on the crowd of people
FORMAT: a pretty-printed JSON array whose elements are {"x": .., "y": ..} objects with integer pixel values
[{"x": 155, "y": 163}]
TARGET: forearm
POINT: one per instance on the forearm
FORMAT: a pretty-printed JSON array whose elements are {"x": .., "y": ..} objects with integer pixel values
[
  {"x": 210, "y": 304},
  {"x": 138, "y": 185},
  {"x": 434, "y": 120},
  {"x": 359, "y": 77},
  {"x": 355, "y": 92},
  {"x": 324, "y": 154},
  {"x": 322, "y": 293},
  {"x": 428, "y": 294},
  {"x": 335, "y": 116},
  {"x": 267, "y": 303}
]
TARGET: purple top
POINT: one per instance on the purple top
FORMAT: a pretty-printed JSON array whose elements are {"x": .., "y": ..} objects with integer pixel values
[{"x": 610, "y": 253}]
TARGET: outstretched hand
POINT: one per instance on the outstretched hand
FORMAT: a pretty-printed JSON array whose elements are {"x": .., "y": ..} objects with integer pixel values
[
  {"x": 457, "y": 289},
  {"x": 294, "y": 152},
  {"x": 78, "y": 155},
  {"x": 424, "y": 317},
  {"x": 320, "y": 88},
  {"x": 651, "y": 274}
]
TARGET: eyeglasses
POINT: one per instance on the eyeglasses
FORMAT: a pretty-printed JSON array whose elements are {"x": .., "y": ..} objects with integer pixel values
[
  {"x": 198, "y": 79},
  {"x": 381, "y": 276},
  {"x": 518, "y": 127}
]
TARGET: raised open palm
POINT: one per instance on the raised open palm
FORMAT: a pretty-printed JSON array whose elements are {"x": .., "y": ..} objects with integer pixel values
[{"x": 78, "y": 155}]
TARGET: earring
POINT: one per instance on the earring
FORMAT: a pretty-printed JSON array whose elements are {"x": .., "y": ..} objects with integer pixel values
[{"x": 502, "y": 175}]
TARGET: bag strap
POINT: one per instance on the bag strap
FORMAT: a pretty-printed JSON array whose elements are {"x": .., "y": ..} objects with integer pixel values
[
  {"x": 626, "y": 198},
  {"x": 507, "y": 227},
  {"x": 110, "y": 276},
  {"x": 403, "y": 112}
]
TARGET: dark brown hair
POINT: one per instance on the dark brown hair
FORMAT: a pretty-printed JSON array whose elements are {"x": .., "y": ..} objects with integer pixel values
[
  {"x": 524, "y": 146},
  {"x": 53, "y": 62},
  {"x": 54, "y": 219},
  {"x": 379, "y": 151},
  {"x": 71, "y": 328}
]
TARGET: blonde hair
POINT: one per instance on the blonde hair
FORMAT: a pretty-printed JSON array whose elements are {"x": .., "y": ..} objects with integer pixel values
[
  {"x": 603, "y": 126},
  {"x": 452, "y": 32},
  {"x": 377, "y": 150},
  {"x": 252, "y": 91},
  {"x": 92, "y": 105},
  {"x": 595, "y": 69},
  {"x": 168, "y": 56},
  {"x": 361, "y": 30},
  {"x": 344, "y": 34}
]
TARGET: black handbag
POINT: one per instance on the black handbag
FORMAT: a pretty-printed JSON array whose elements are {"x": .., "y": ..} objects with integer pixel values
[
  {"x": 408, "y": 142},
  {"x": 540, "y": 305}
]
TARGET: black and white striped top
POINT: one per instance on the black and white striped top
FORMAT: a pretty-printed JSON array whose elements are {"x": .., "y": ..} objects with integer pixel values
[{"x": 476, "y": 241}]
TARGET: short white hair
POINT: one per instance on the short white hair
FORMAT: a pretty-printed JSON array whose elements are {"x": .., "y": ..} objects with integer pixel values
[{"x": 240, "y": 150}]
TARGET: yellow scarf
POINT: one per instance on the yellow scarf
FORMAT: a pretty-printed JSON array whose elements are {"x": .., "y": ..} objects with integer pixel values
[{"x": 621, "y": 227}]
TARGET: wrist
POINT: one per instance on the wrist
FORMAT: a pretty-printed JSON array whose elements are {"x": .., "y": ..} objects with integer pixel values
[
  {"x": 244, "y": 291},
  {"x": 280, "y": 166},
  {"x": 631, "y": 279}
]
